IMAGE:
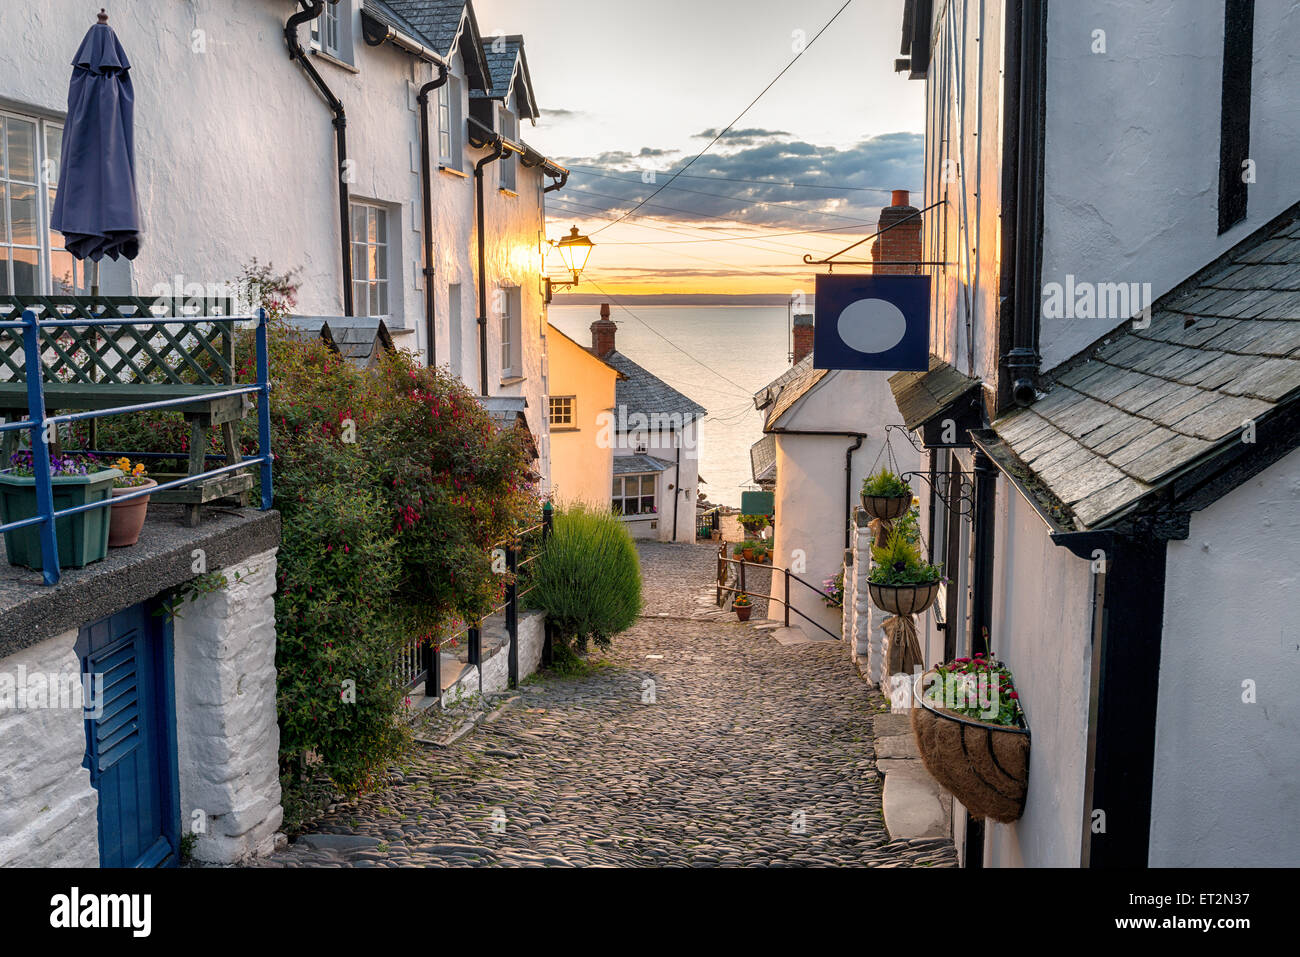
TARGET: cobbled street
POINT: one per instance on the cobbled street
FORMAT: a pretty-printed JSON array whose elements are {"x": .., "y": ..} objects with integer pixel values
[{"x": 697, "y": 742}]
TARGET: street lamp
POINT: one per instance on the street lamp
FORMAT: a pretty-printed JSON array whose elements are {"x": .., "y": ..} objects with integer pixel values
[{"x": 574, "y": 249}]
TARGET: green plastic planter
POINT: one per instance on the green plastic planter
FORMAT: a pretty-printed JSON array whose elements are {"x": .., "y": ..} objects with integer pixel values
[{"x": 83, "y": 538}]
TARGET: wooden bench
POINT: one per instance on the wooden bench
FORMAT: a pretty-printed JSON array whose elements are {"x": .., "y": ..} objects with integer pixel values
[{"x": 95, "y": 368}]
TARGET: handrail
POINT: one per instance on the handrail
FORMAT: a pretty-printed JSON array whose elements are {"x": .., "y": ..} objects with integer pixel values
[
  {"x": 38, "y": 423},
  {"x": 784, "y": 602}
]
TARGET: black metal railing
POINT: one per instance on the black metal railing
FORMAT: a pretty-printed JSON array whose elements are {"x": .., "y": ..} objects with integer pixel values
[
  {"x": 420, "y": 660},
  {"x": 726, "y": 565}
]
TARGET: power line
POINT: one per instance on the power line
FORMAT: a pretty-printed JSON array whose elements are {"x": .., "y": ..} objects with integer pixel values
[
  {"x": 727, "y": 129},
  {"x": 758, "y": 182}
]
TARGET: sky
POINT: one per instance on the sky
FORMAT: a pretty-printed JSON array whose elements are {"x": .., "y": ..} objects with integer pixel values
[{"x": 631, "y": 91}]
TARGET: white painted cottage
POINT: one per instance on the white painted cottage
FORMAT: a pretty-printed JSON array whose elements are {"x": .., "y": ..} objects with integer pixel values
[
  {"x": 654, "y": 431},
  {"x": 1116, "y": 363}
]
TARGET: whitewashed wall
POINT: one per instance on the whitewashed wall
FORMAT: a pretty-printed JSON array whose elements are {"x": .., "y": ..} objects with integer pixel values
[
  {"x": 48, "y": 809},
  {"x": 1227, "y": 769},
  {"x": 1132, "y": 175},
  {"x": 1042, "y": 616},
  {"x": 235, "y": 160},
  {"x": 810, "y": 493},
  {"x": 227, "y": 737}
]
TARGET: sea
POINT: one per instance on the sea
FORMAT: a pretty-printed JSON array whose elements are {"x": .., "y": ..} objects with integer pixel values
[{"x": 717, "y": 355}]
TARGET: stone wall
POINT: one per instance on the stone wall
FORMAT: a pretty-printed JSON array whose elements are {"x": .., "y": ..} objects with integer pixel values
[
  {"x": 227, "y": 737},
  {"x": 48, "y": 810},
  {"x": 496, "y": 668}
]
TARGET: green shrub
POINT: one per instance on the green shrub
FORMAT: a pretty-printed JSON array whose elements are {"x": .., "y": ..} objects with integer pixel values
[
  {"x": 588, "y": 578},
  {"x": 899, "y": 562}
]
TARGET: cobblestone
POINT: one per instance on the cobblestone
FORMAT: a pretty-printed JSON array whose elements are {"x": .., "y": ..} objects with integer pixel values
[{"x": 695, "y": 742}]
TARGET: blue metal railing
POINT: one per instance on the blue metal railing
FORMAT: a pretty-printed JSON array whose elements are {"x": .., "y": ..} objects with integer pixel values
[{"x": 39, "y": 425}]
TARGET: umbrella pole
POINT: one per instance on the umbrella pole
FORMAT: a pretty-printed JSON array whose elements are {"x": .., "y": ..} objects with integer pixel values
[
  {"x": 93, "y": 437},
  {"x": 94, "y": 277}
]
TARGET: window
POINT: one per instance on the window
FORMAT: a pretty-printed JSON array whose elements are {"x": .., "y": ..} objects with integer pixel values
[
  {"x": 635, "y": 495},
  {"x": 449, "y": 124},
  {"x": 32, "y": 258},
  {"x": 369, "y": 260},
  {"x": 331, "y": 32},
  {"x": 453, "y": 327},
  {"x": 511, "y": 364},
  {"x": 562, "y": 410},
  {"x": 509, "y": 128}
]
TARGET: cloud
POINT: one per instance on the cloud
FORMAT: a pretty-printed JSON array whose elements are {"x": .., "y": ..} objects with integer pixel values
[
  {"x": 562, "y": 114},
  {"x": 744, "y": 137},
  {"x": 748, "y": 185}
]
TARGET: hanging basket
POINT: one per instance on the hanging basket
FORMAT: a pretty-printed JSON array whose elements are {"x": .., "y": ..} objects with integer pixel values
[
  {"x": 886, "y": 508},
  {"x": 984, "y": 766},
  {"x": 904, "y": 599}
]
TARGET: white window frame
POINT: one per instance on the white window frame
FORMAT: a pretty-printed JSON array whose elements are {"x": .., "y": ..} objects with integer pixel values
[
  {"x": 563, "y": 411},
  {"x": 331, "y": 32},
  {"x": 511, "y": 330},
  {"x": 49, "y": 244},
  {"x": 376, "y": 286},
  {"x": 620, "y": 497},
  {"x": 508, "y": 165},
  {"x": 450, "y": 124}
]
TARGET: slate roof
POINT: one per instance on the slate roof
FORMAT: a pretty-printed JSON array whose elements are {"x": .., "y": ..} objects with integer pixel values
[
  {"x": 358, "y": 339},
  {"x": 1124, "y": 419},
  {"x": 762, "y": 460},
  {"x": 501, "y": 67},
  {"x": 437, "y": 24},
  {"x": 635, "y": 464},
  {"x": 507, "y": 412},
  {"x": 788, "y": 388},
  {"x": 639, "y": 391},
  {"x": 385, "y": 14},
  {"x": 920, "y": 396}
]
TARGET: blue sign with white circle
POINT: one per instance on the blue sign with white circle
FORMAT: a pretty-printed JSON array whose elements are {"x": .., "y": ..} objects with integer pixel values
[{"x": 872, "y": 322}]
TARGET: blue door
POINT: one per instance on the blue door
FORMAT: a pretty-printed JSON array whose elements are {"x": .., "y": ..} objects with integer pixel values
[{"x": 131, "y": 743}]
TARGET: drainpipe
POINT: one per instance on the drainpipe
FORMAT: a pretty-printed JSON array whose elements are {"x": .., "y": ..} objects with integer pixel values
[
  {"x": 1020, "y": 295},
  {"x": 677, "y": 497},
  {"x": 498, "y": 150},
  {"x": 311, "y": 10},
  {"x": 426, "y": 176}
]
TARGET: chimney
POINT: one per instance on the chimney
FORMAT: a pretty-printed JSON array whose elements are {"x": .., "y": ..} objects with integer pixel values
[
  {"x": 602, "y": 333},
  {"x": 900, "y": 244},
  {"x": 803, "y": 338}
]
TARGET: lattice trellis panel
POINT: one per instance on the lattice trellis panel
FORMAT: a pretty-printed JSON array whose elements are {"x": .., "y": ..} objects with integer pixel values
[{"x": 183, "y": 353}]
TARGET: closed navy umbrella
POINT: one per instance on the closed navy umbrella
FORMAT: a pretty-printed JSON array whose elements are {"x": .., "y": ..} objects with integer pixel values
[{"x": 95, "y": 207}]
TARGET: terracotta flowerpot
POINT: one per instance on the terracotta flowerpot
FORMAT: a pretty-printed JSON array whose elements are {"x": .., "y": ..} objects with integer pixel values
[
  {"x": 886, "y": 508},
  {"x": 128, "y": 517},
  {"x": 749, "y": 554},
  {"x": 904, "y": 599},
  {"x": 743, "y": 611},
  {"x": 985, "y": 766}
]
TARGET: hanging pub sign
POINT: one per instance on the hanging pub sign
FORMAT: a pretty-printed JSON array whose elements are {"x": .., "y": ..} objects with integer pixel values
[{"x": 879, "y": 323}]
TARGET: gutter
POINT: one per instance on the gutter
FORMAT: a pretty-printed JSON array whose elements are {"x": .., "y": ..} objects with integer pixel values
[
  {"x": 311, "y": 10},
  {"x": 1022, "y": 210},
  {"x": 376, "y": 34},
  {"x": 860, "y": 437}
]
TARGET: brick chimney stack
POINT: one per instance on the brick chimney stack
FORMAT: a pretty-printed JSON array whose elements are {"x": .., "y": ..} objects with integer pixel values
[
  {"x": 803, "y": 338},
  {"x": 602, "y": 333},
  {"x": 900, "y": 244}
]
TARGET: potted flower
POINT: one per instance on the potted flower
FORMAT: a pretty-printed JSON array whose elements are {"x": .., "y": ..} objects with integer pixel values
[
  {"x": 833, "y": 591},
  {"x": 885, "y": 496},
  {"x": 127, "y": 517},
  {"x": 753, "y": 524},
  {"x": 738, "y": 552},
  {"x": 742, "y": 606},
  {"x": 76, "y": 480},
  {"x": 760, "y": 554},
  {"x": 972, "y": 736},
  {"x": 901, "y": 582},
  {"x": 749, "y": 551}
]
